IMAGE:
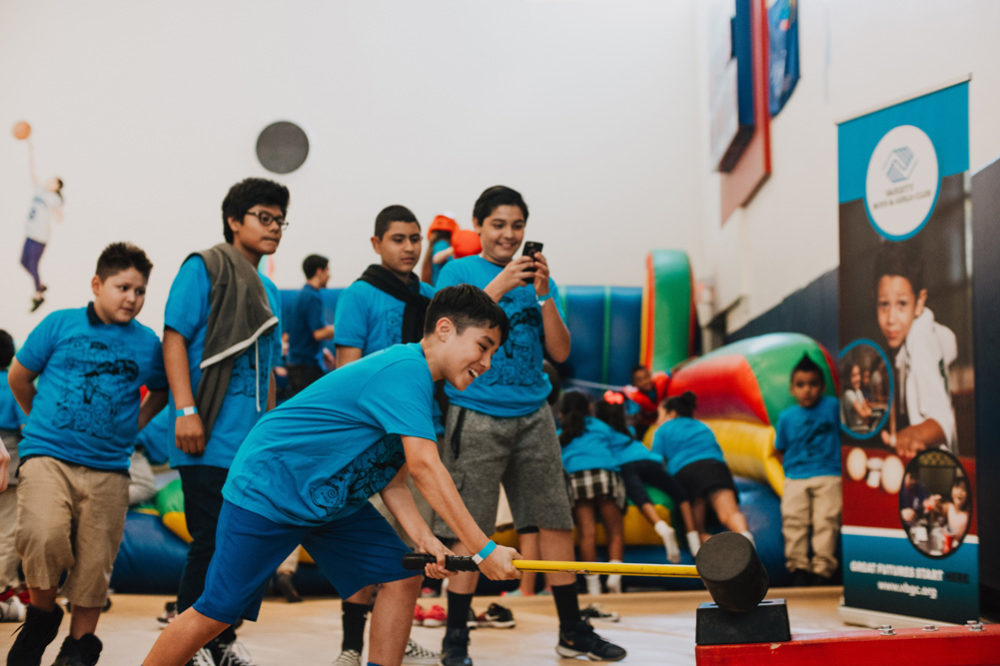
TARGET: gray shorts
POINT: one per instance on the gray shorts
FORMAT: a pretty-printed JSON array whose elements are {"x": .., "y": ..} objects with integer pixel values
[{"x": 523, "y": 453}]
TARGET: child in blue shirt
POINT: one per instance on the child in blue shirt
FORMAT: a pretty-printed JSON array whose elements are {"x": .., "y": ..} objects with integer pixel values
[
  {"x": 306, "y": 471},
  {"x": 384, "y": 307},
  {"x": 694, "y": 458},
  {"x": 221, "y": 340},
  {"x": 641, "y": 467},
  {"x": 306, "y": 327},
  {"x": 808, "y": 442},
  {"x": 501, "y": 429},
  {"x": 594, "y": 481},
  {"x": 82, "y": 419}
]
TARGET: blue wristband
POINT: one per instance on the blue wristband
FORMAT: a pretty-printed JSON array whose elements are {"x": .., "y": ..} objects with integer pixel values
[
  {"x": 542, "y": 299},
  {"x": 186, "y": 411},
  {"x": 485, "y": 552}
]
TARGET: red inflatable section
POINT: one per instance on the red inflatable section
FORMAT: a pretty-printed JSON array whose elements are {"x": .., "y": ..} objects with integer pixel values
[{"x": 717, "y": 382}]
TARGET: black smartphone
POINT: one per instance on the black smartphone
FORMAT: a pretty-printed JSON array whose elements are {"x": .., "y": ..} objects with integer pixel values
[{"x": 530, "y": 248}]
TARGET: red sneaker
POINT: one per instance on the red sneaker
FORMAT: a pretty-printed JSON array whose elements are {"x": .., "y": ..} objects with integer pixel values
[
  {"x": 435, "y": 617},
  {"x": 418, "y": 615}
]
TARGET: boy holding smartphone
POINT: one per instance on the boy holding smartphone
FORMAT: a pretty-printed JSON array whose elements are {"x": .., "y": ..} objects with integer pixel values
[{"x": 501, "y": 428}]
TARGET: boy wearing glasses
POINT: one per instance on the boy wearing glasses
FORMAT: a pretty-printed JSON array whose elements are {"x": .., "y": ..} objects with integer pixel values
[{"x": 221, "y": 339}]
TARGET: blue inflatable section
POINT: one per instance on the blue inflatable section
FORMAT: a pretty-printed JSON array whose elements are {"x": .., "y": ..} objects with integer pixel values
[
  {"x": 150, "y": 559},
  {"x": 604, "y": 325}
]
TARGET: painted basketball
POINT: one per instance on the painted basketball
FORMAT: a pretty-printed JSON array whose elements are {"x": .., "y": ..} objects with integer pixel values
[{"x": 21, "y": 130}]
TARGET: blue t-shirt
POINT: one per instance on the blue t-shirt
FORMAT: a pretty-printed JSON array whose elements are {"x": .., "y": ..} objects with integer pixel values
[
  {"x": 370, "y": 319},
  {"x": 86, "y": 410},
  {"x": 246, "y": 396},
  {"x": 682, "y": 441},
  {"x": 627, "y": 449},
  {"x": 810, "y": 439},
  {"x": 439, "y": 245},
  {"x": 591, "y": 449},
  {"x": 305, "y": 319},
  {"x": 515, "y": 384},
  {"x": 321, "y": 455},
  {"x": 12, "y": 417}
]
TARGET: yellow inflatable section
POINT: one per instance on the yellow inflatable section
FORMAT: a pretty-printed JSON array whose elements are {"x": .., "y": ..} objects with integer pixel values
[{"x": 638, "y": 531}]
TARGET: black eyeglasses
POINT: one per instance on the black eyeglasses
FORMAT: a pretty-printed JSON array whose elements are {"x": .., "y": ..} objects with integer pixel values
[{"x": 266, "y": 219}]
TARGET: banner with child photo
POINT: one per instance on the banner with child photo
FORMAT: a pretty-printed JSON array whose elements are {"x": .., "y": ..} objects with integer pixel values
[{"x": 910, "y": 541}]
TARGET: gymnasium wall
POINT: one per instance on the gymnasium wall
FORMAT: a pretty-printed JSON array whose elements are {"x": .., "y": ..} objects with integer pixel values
[
  {"x": 150, "y": 111},
  {"x": 856, "y": 56}
]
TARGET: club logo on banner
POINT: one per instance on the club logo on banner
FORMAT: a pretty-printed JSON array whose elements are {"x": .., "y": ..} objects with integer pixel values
[{"x": 901, "y": 186}]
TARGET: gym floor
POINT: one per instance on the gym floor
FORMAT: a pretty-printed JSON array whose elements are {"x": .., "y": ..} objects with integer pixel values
[{"x": 655, "y": 627}]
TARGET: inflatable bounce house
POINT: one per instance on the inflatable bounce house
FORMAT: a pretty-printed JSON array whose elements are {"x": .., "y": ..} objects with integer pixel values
[{"x": 741, "y": 389}]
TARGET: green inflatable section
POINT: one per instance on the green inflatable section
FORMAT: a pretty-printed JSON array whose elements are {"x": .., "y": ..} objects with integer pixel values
[
  {"x": 771, "y": 358},
  {"x": 170, "y": 498},
  {"x": 671, "y": 309}
]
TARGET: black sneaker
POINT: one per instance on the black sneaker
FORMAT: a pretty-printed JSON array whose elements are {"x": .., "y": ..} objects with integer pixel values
[
  {"x": 232, "y": 653},
  {"x": 582, "y": 641},
  {"x": 595, "y": 612},
  {"x": 83, "y": 651},
  {"x": 39, "y": 629},
  {"x": 496, "y": 616},
  {"x": 36, "y": 303},
  {"x": 801, "y": 578},
  {"x": 455, "y": 647},
  {"x": 168, "y": 615},
  {"x": 471, "y": 621}
]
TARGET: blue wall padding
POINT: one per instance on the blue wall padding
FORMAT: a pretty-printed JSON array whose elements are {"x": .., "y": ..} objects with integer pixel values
[
  {"x": 604, "y": 325},
  {"x": 150, "y": 559},
  {"x": 762, "y": 509}
]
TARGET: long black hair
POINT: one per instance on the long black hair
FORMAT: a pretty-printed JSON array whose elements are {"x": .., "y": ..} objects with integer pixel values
[
  {"x": 613, "y": 415},
  {"x": 684, "y": 404},
  {"x": 573, "y": 409}
]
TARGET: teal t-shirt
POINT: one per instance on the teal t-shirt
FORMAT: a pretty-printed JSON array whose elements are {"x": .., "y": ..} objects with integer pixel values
[
  {"x": 370, "y": 319},
  {"x": 626, "y": 449},
  {"x": 810, "y": 439},
  {"x": 86, "y": 409},
  {"x": 682, "y": 441},
  {"x": 321, "y": 454},
  {"x": 246, "y": 396},
  {"x": 515, "y": 384},
  {"x": 591, "y": 449},
  {"x": 12, "y": 417}
]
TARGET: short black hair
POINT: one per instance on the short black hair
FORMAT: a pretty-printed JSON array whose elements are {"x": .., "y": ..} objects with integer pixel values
[
  {"x": 494, "y": 197},
  {"x": 6, "y": 349},
  {"x": 895, "y": 258},
  {"x": 119, "y": 257},
  {"x": 390, "y": 214},
  {"x": 313, "y": 263},
  {"x": 806, "y": 364},
  {"x": 466, "y": 306},
  {"x": 636, "y": 368},
  {"x": 684, "y": 404},
  {"x": 248, "y": 193}
]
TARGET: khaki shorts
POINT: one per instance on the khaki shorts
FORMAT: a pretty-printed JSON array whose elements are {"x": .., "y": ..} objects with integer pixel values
[{"x": 70, "y": 518}]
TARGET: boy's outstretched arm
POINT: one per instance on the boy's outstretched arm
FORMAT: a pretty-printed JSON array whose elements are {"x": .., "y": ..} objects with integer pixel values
[
  {"x": 189, "y": 430},
  {"x": 435, "y": 484},
  {"x": 22, "y": 385}
]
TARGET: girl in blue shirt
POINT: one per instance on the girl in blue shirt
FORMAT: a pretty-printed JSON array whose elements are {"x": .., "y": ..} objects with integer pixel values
[
  {"x": 695, "y": 459},
  {"x": 595, "y": 484},
  {"x": 639, "y": 467}
]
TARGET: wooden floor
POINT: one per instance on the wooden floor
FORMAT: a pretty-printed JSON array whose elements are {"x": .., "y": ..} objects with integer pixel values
[{"x": 655, "y": 628}]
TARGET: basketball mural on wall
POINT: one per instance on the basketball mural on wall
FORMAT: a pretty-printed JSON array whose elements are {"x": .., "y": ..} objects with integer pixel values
[{"x": 282, "y": 147}]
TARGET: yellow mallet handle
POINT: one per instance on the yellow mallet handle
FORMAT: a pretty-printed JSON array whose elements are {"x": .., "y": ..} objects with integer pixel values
[{"x": 667, "y": 570}]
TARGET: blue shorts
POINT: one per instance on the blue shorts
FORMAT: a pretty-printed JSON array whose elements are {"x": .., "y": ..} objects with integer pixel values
[{"x": 352, "y": 552}]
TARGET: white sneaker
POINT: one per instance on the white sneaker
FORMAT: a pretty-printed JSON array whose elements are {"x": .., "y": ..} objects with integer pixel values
[
  {"x": 348, "y": 658},
  {"x": 669, "y": 537},
  {"x": 12, "y": 610},
  {"x": 593, "y": 583},
  {"x": 418, "y": 654},
  {"x": 694, "y": 542}
]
